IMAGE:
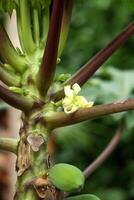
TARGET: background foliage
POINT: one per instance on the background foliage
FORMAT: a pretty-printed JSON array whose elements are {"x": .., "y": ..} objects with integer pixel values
[{"x": 94, "y": 24}]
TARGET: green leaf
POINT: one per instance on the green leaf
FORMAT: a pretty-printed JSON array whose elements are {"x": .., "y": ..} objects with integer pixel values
[
  {"x": 110, "y": 85},
  {"x": 83, "y": 197}
]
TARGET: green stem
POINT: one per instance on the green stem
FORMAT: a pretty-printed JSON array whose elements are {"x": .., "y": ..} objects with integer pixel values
[
  {"x": 62, "y": 119},
  {"x": 9, "y": 144},
  {"x": 25, "y": 25},
  {"x": 45, "y": 25},
  {"x": 32, "y": 165},
  {"x": 29, "y": 195},
  {"x": 19, "y": 29},
  {"x": 36, "y": 28},
  {"x": 9, "y": 54},
  {"x": 7, "y": 78},
  {"x": 65, "y": 25},
  {"x": 25, "y": 195}
]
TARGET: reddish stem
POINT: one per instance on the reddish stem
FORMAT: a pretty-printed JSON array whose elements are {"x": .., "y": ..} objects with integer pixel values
[
  {"x": 82, "y": 75},
  {"x": 106, "y": 152},
  {"x": 61, "y": 119},
  {"x": 48, "y": 66},
  {"x": 15, "y": 100}
]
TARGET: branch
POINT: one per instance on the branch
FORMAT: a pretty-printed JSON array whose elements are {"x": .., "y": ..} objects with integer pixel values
[
  {"x": 48, "y": 66},
  {"x": 7, "y": 78},
  {"x": 61, "y": 119},
  {"x": 9, "y": 144},
  {"x": 8, "y": 52},
  {"x": 104, "y": 155},
  {"x": 106, "y": 152},
  {"x": 82, "y": 75},
  {"x": 65, "y": 25},
  {"x": 15, "y": 100}
]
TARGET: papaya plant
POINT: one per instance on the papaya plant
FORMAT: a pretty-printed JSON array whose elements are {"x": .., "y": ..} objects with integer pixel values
[{"x": 48, "y": 101}]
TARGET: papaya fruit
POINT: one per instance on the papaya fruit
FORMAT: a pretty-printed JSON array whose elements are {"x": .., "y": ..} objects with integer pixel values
[
  {"x": 65, "y": 177},
  {"x": 83, "y": 197}
]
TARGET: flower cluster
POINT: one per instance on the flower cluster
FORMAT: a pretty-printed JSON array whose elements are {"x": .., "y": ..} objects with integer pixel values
[{"x": 71, "y": 102}]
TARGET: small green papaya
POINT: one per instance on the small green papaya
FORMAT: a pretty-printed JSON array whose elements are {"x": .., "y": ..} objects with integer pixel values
[
  {"x": 66, "y": 177},
  {"x": 83, "y": 197}
]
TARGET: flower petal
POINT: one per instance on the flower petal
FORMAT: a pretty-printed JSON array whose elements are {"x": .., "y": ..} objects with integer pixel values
[
  {"x": 71, "y": 102},
  {"x": 76, "y": 88},
  {"x": 68, "y": 91},
  {"x": 70, "y": 109},
  {"x": 90, "y": 104}
]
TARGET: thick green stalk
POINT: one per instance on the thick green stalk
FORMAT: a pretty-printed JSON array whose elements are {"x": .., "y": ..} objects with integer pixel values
[
  {"x": 19, "y": 29},
  {"x": 9, "y": 144},
  {"x": 36, "y": 28},
  {"x": 68, "y": 5},
  {"x": 25, "y": 26},
  {"x": 62, "y": 119},
  {"x": 33, "y": 183},
  {"x": 33, "y": 163},
  {"x": 45, "y": 25},
  {"x": 9, "y": 54},
  {"x": 27, "y": 195},
  {"x": 7, "y": 78},
  {"x": 37, "y": 168}
]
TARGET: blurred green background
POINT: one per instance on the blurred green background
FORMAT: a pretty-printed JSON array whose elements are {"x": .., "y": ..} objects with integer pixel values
[{"x": 94, "y": 24}]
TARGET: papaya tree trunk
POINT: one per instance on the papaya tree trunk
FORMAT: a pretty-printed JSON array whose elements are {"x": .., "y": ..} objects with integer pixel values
[{"x": 33, "y": 162}]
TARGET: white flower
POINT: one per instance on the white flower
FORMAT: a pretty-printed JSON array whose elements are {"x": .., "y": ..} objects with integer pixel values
[{"x": 71, "y": 102}]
